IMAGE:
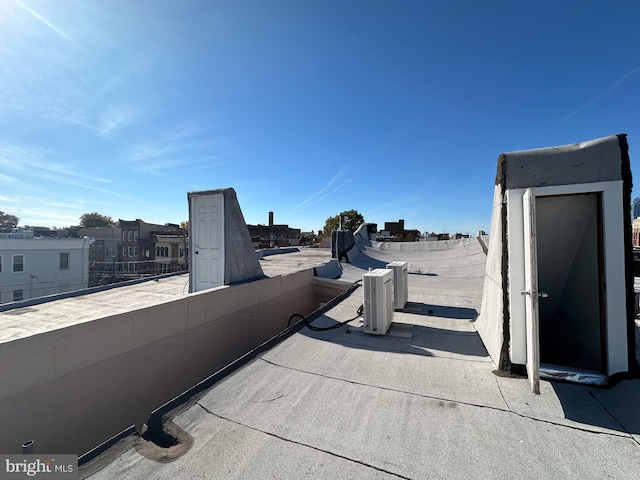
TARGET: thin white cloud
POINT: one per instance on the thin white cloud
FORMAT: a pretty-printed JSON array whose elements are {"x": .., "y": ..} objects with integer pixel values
[
  {"x": 323, "y": 192},
  {"x": 45, "y": 83},
  {"x": 185, "y": 144},
  {"x": 33, "y": 164},
  {"x": 115, "y": 118},
  {"x": 599, "y": 97},
  {"x": 49, "y": 24},
  {"x": 12, "y": 181},
  {"x": 37, "y": 163}
]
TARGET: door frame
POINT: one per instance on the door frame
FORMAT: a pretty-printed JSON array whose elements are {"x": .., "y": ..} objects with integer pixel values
[
  {"x": 601, "y": 292},
  {"x": 616, "y": 358}
]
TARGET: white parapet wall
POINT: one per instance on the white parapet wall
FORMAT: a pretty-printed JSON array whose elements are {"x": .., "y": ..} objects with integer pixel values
[{"x": 72, "y": 388}]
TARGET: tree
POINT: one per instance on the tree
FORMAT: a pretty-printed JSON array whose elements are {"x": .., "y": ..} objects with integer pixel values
[
  {"x": 7, "y": 220},
  {"x": 183, "y": 232},
  {"x": 635, "y": 208},
  {"x": 353, "y": 219},
  {"x": 95, "y": 220}
]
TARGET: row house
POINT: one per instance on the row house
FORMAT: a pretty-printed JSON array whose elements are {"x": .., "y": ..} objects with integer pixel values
[
  {"x": 33, "y": 267},
  {"x": 170, "y": 250},
  {"x": 131, "y": 250},
  {"x": 138, "y": 255}
]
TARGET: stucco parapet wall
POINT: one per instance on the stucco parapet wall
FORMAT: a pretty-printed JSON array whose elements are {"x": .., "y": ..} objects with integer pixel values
[
  {"x": 40, "y": 358},
  {"x": 596, "y": 160}
]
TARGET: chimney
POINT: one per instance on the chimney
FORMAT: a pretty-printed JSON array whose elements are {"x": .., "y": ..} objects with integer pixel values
[
  {"x": 271, "y": 219},
  {"x": 401, "y": 222}
]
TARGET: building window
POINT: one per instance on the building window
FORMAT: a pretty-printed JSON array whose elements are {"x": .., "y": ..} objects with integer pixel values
[
  {"x": 64, "y": 260},
  {"x": 181, "y": 252},
  {"x": 18, "y": 263},
  {"x": 99, "y": 249},
  {"x": 124, "y": 251},
  {"x": 18, "y": 295},
  {"x": 124, "y": 235},
  {"x": 129, "y": 250},
  {"x": 130, "y": 235},
  {"x": 135, "y": 236},
  {"x": 135, "y": 251}
]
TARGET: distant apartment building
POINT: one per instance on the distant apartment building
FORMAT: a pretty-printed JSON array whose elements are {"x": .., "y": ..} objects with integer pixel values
[
  {"x": 272, "y": 235},
  {"x": 396, "y": 231},
  {"x": 33, "y": 267},
  {"x": 103, "y": 254},
  {"x": 138, "y": 241},
  {"x": 635, "y": 227},
  {"x": 170, "y": 250}
]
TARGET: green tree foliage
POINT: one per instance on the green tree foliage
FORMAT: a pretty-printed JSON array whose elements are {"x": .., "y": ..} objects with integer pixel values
[
  {"x": 352, "y": 221},
  {"x": 635, "y": 207},
  {"x": 95, "y": 220},
  {"x": 7, "y": 220}
]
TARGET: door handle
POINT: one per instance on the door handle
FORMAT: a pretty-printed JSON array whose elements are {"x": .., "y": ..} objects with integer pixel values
[{"x": 540, "y": 294}]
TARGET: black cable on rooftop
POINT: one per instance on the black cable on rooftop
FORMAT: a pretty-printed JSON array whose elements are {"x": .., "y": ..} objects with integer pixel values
[{"x": 360, "y": 311}]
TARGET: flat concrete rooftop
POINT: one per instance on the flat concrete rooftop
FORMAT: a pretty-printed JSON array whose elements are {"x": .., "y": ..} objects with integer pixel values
[
  {"x": 420, "y": 402},
  {"x": 24, "y": 321}
]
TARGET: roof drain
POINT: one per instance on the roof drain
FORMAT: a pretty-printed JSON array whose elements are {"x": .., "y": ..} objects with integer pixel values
[
  {"x": 164, "y": 444},
  {"x": 27, "y": 447}
]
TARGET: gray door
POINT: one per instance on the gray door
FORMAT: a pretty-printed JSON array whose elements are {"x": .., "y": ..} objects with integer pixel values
[{"x": 569, "y": 250}]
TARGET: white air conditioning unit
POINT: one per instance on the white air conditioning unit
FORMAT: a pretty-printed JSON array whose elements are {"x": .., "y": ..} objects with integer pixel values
[
  {"x": 378, "y": 300},
  {"x": 400, "y": 284}
]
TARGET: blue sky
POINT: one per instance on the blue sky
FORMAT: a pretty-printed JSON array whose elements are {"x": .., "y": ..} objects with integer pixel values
[{"x": 398, "y": 109}]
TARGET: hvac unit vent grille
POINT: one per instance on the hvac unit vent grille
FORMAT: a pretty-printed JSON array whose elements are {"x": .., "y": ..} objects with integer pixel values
[
  {"x": 378, "y": 300},
  {"x": 400, "y": 284}
]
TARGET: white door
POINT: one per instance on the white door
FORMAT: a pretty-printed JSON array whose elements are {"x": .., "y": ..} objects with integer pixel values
[
  {"x": 208, "y": 242},
  {"x": 531, "y": 290}
]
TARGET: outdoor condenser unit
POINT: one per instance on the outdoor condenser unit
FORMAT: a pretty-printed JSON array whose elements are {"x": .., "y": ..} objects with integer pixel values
[
  {"x": 400, "y": 284},
  {"x": 378, "y": 300}
]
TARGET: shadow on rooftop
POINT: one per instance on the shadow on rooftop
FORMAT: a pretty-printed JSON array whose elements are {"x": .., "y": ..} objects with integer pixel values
[
  {"x": 459, "y": 313},
  {"x": 406, "y": 338},
  {"x": 615, "y": 408},
  {"x": 365, "y": 262}
]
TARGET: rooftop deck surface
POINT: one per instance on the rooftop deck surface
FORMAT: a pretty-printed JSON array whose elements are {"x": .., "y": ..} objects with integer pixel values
[
  {"x": 43, "y": 317},
  {"x": 420, "y": 402}
]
